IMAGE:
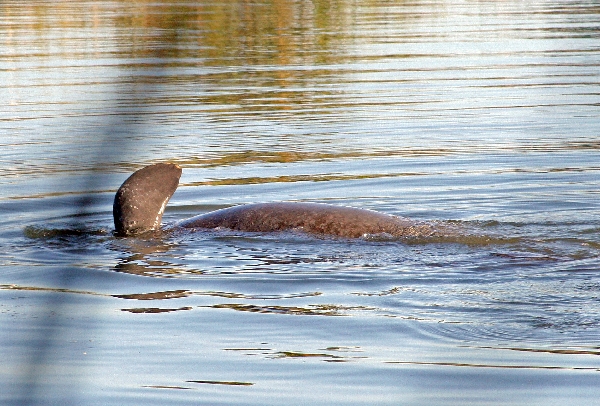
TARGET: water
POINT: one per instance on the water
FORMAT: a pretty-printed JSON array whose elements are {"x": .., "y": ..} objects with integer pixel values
[{"x": 481, "y": 116}]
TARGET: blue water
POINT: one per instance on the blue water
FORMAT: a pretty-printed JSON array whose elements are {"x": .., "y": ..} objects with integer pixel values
[{"x": 482, "y": 117}]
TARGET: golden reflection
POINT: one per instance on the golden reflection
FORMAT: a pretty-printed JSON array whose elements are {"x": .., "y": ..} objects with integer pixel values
[
  {"x": 548, "y": 350},
  {"x": 171, "y": 294},
  {"x": 324, "y": 356},
  {"x": 165, "y": 387},
  {"x": 230, "y": 383},
  {"x": 310, "y": 310},
  {"x": 296, "y": 354},
  {"x": 246, "y": 157},
  {"x": 507, "y": 366},
  {"x": 155, "y": 309},
  {"x": 237, "y": 32},
  {"x": 231, "y": 295},
  {"x": 177, "y": 294},
  {"x": 272, "y": 44},
  {"x": 294, "y": 178},
  {"x": 54, "y": 290}
]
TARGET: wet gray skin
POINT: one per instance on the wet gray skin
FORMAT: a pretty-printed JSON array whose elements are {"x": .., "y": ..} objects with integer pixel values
[{"x": 141, "y": 200}]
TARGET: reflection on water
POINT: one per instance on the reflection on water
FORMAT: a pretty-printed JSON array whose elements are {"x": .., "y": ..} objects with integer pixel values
[
  {"x": 315, "y": 310},
  {"x": 481, "y": 117},
  {"x": 155, "y": 309},
  {"x": 196, "y": 82}
]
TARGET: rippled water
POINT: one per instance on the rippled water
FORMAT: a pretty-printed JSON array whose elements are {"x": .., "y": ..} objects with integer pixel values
[{"x": 480, "y": 116}]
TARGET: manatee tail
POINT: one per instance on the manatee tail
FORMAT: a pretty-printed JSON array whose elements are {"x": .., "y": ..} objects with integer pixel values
[{"x": 142, "y": 198}]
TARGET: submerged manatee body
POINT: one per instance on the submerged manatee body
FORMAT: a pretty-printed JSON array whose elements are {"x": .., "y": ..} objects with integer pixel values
[{"x": 141, "y": 200}]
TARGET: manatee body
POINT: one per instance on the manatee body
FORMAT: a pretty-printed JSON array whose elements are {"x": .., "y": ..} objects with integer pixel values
[{"x": 141, "y": 200}]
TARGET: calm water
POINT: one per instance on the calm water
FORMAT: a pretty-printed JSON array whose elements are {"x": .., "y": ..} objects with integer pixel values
[{"x": 479, "y": 115}]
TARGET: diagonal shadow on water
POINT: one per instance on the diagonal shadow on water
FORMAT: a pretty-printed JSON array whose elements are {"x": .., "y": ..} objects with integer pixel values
[{"x": 119, "y": 134}]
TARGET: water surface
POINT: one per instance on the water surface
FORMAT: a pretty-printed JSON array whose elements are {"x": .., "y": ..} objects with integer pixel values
[{"x": 481, "y": 116}]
